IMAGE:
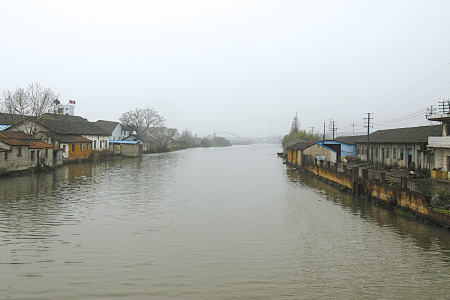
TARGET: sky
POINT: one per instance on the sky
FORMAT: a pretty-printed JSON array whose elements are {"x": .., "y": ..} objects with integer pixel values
[{"x": 239, "y": 66}]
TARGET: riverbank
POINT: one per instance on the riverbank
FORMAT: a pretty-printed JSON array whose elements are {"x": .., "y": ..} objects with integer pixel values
[{"x": 357, "y": 182}]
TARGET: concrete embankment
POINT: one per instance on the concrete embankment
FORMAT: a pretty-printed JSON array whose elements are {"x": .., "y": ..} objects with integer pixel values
[{"x": 400, "y": 197}]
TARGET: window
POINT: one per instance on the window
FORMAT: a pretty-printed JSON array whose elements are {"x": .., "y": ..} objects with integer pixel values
[
  {"x": 6, "y": 155},
  {"x": 32, "y": 155},
  {"x": 100, "y": 144},
  {"x": 73, "y": 147},
  {"x": 87, "y": 147},
  {"x": 394, "y": 153},
  {"x": 387, "y": 152},
  {"x": 81, "y": 147},
  {"x": 64, "y": 148},
  {"x": 362, "y": 151},
  {"x": 376, "y": 153},
  {"x": 357, "y": 150},
  {"x": 402, "y": 153},
  {"x": 95, "y": 144},
  {"x": 19, "y": 151},
  {"x": 46, "y": 152}
]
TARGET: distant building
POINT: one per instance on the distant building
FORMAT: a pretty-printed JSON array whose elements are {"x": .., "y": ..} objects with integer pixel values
[{"x": 65, "y": 109}]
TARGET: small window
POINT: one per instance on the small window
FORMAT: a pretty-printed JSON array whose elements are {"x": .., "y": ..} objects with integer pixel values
[
  {"x": 95, "y": 144},
  {"x": 394, "y": 153},
  {"x": 87, "y": 147},
  {"x": 101, "y": 144},
  {"x": 32, "y": 155},
  {"x": 81, "y": 147},
  {"x": 19, "y": 151},
  {"x": 46, "y": 152},
  {"x": 6, "y": 155},
  {"x": 401, "y": 154},
  {"x": 64, "y": 148},
  {"x": 387, "y": 152},
  {"x": 73, "y": 147}
]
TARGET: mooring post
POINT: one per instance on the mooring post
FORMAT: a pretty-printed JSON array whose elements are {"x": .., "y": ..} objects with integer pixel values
[
  {"x": 404, "y": 183},
  {"x": 355, "y": 174},
  {"x": 355, "y": 179},
  {"x": 382, "y": 177}
]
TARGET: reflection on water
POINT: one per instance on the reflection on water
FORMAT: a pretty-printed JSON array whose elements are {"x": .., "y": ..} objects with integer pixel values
[{"x": 218, "y": 223}]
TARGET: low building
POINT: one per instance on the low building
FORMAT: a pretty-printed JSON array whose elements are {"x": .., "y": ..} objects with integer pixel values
[
  {"x": 439, "y": 145},
  {"x": 73, "y": 147},
  {"x": 344, "y": 146},
  {"x": 148, "y": 141},
  {"x": 19, "y": 151},
  {"x": 399, "y": 147},
  {"x": 126, "y": 148}
]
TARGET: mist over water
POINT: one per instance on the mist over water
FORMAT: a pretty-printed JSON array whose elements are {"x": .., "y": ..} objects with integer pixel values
[{"x": 208, "y": 223}]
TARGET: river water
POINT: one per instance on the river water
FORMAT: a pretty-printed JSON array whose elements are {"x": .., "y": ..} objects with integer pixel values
[{"x": 208, "y": 223}]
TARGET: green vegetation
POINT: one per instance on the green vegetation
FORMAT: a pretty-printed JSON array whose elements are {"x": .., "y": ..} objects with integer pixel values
[
  {"x": 296, "y": 132},
  {"x": 426, "y": 186},
  {"x": 303, "y": 135},
  {"x": 215, "y": 142}
]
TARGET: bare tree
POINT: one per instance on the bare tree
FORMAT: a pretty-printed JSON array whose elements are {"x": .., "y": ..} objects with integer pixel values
[
  {"x": 29, "y": 103},
  {"x": 141, "y": 119}
]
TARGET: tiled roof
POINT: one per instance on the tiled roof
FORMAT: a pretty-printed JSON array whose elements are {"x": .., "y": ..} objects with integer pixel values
[
  {"x": 143, "y": 137},
  {"x": 37, "y": 144},
  {"x": 108, "y": 126},
  {"x": 350, "y": 140},
  {"x": 301, "y": 145},
  {"x": 15, "y": 135},
  {"x": 13, "y": 142},
  {"x": 18, "y": 138},
  {"x": 66, "y": 118},
  {"x": 403, "y": 135},
  {"x": 68, "y": 138},
  {"x": 63, "y": 127},
  {"x": 10, "y": 119}
]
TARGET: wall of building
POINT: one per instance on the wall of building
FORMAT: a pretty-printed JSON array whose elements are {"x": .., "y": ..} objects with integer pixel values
[
  {"x": 79, "y": 150},
  {"x": 12, "y": 161},
  {"x": 384, "y": 153},
  {"x": 130, "y": 150},
  {"x": 318, "y": 150}
]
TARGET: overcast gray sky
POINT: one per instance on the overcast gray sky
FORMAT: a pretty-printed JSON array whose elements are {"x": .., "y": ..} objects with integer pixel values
[{"x": 237, "y": 66}]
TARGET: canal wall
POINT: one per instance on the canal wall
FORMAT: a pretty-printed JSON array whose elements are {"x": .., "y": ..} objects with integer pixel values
[{"x": 410, "y": 201}]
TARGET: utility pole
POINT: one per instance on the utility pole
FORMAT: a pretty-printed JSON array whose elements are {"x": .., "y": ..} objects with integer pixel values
[
  {"x": 353, "y": 125},
  {"x": 324, "y": 131},
  {"x": 312, "y": 130},
  {"x": 368, "y": 133},
  {"x": 333, "y": 129}
]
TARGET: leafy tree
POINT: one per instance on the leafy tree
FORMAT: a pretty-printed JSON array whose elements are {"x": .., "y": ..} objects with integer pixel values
[
  {"x": 30, "y": 103},
  {"x": 141, "y": 119},
  {"x": 303, "y": 135},
  {"x": 295, "y": 127}
]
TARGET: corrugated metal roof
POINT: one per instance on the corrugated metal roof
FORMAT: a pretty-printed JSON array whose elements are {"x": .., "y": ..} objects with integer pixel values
[{"x": 3, "y": 127}]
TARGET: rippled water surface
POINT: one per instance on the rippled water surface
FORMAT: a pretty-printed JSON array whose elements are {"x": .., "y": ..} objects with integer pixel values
[{"x": 217, "y": 223}]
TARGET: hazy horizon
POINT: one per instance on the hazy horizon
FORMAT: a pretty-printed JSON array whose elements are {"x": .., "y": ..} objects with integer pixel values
[{"x": 244, "y": 67}]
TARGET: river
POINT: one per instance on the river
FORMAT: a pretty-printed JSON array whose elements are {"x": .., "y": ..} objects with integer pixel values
[{"x": 208, "y": 223}]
